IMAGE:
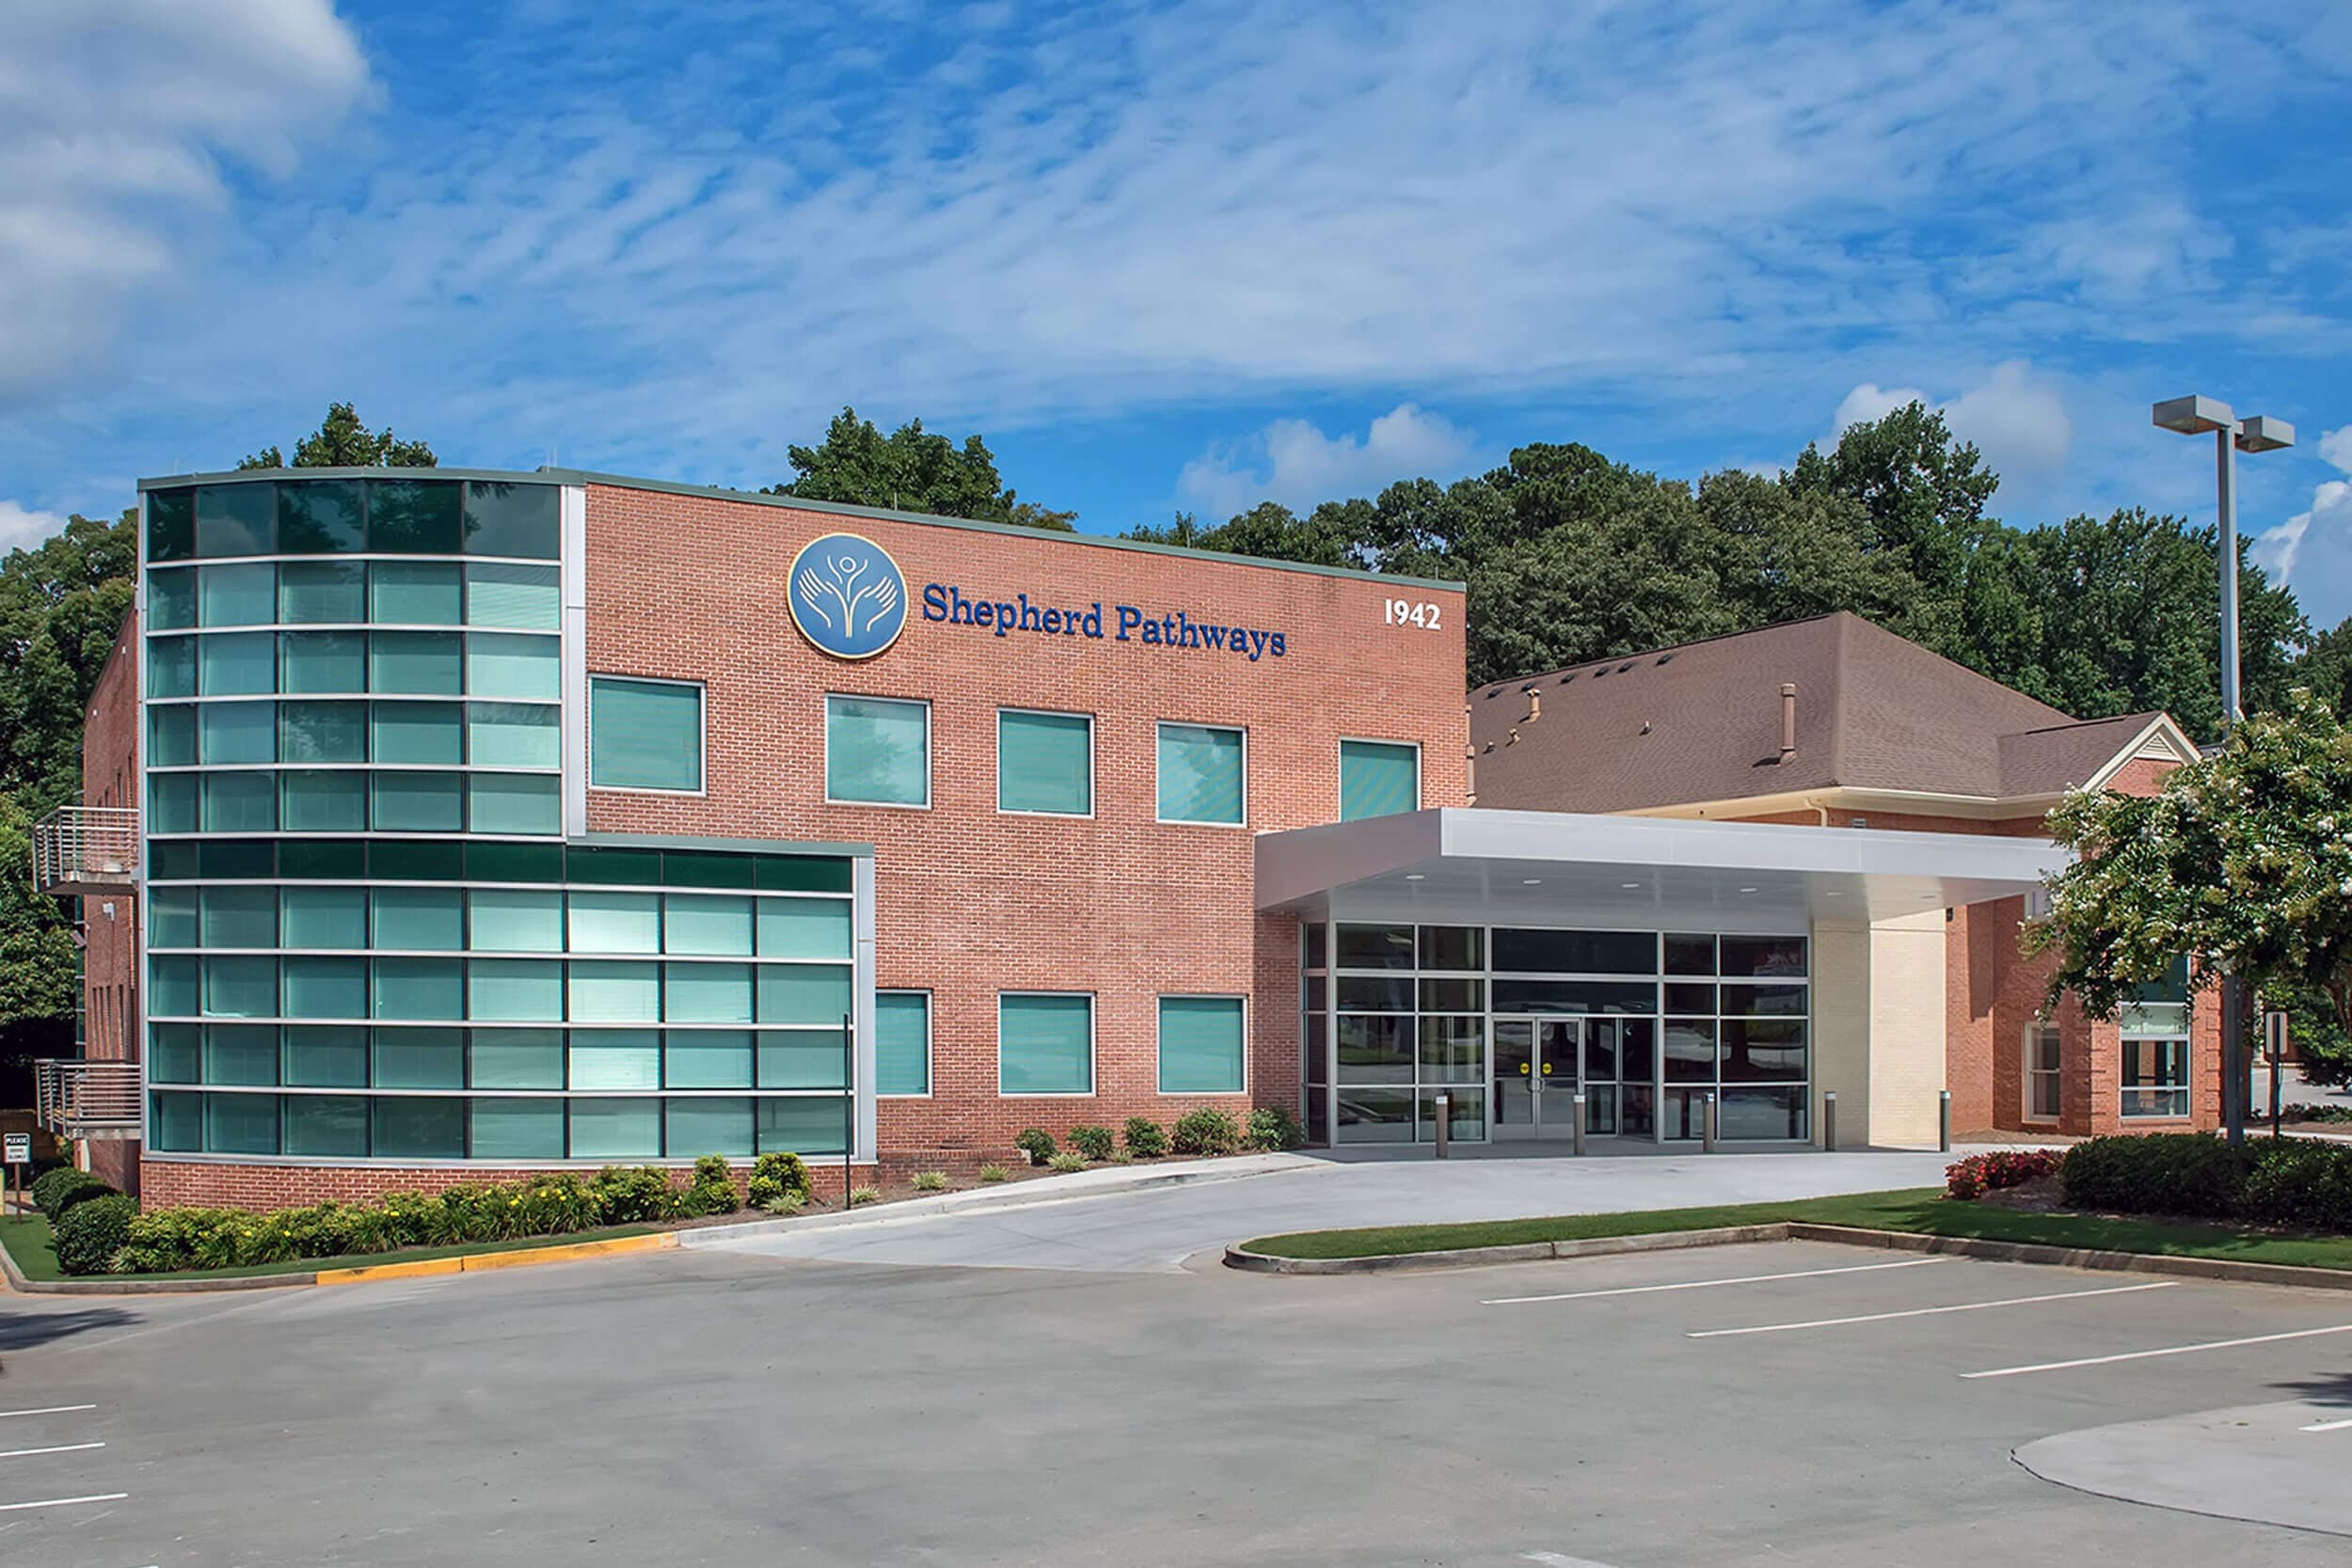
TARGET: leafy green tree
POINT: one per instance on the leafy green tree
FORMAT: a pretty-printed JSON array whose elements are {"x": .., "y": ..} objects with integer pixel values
[
  {"x": 911, "y": 469},
  {"x": 1268, "y": 531},
  {"x": 341, "y": 441},
  {"x": 2242, "y": 862},
  {"x": 2325, "y": 667}
]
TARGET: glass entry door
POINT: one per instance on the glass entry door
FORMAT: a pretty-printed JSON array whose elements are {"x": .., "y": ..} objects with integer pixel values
[{"x": 1535, "y": 1064}]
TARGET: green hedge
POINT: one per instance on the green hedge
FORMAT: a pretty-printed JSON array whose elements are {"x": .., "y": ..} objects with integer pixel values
[
  {"x": 88, "y": 1234},
  {"x": 2290, "y": 1181},
  {"x": 55, "y": 1192},
  {"x": 167, "y": 1240}
]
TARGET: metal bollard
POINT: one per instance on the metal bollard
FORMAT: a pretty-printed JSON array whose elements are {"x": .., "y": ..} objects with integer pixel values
[
  {"x": 1445, "y": 1123},
  {"x": 1829, "y": 1121},
  {"x": 1706, "y": 1126},
  {"x": 1944, "y": 1123},
  {"x": 1577, "y": 1102}
]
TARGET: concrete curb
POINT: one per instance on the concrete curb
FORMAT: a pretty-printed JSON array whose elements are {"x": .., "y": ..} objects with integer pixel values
[
  {"x": 2217, "y": 1269},
  {"x": 1525, "y": 1252},
  {"x": 360, "y": 1273},
  {"x": 1113, "y": 1181}
]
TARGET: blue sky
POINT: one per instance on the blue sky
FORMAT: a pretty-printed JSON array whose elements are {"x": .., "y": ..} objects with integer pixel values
[{"x": 1187, "y": 254}]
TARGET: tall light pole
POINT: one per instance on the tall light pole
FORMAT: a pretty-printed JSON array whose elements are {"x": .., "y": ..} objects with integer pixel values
[{"x": 2199, "y": 415}]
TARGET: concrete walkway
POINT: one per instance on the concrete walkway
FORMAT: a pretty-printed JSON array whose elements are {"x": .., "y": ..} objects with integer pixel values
[
  {"x": 1155, "y": 1230},
  {"x": 2280, "y": 1463}
]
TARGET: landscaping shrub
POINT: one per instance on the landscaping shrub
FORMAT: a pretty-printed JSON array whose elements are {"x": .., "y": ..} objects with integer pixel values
[
  {"x": 1037, "y": 1143},
  {"x": 2157, "y": 1173},
  {"x": 2301, "y": 1183},
  {"x": 88, "y": 1234},
  {"x": 712, "y": 1191},
  {"x": 550, "y": 1204},
  {"x": 1095, "y": 1143},
  {"x": 931, "y": 1181},
  {"x": 163, "y": 1240},
  {"x": 1205, "y": 1130},
  {"x": 1979, "y": 1173},
  {"x": 861, "y": 1196},
  {"x": 1146, "y": 1139},
  {"x": 776, "y": 1175},
  {"x": 787, "y": 1204},
  {"x": 2290, "y": 1113},
  {"x": 62, "y": 1188},
  {"x": 994, "y": 1173},
  {"x": 636, "y": 1192},
  {"x": 1066, "y": 1161},
  {"x": 1272, "y": 1127}
]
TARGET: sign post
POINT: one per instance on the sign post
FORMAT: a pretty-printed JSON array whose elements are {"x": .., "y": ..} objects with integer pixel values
[
  {"x": 2275, "y": 1049},
  {"x": 17, "y": 1155}
]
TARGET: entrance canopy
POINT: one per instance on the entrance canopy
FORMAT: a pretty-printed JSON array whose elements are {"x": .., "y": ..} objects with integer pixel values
[{"x": 1475, "y": 867}]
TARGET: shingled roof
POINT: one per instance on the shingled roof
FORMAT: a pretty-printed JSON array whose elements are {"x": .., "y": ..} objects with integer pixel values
[{"x": 1702, "y": 722}]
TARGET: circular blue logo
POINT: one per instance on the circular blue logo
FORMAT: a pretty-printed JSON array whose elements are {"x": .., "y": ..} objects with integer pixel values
[{"x": 847, "y": 596}]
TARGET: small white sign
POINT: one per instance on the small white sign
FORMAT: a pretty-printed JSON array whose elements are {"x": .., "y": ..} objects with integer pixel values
[{"x": 19, "y": 1150}]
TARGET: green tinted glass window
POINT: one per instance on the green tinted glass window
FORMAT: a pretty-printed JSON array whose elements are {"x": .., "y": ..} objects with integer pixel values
[
  {"x": 327, "y": 1056},
  {"x": 236, "y": 519},
  {"x": 616, "y": 1129},
  {"x": 616, "y": 922},
  {"x": 237, "y": 733},
  {"x": 902, "y": 1042},
  {"x": 322, "y": 859},
  {"x": 419, "y": 988},
  {"x": 1200, "y": 774},
  {"x": 412, "y": 1127},
  {"x": 423, "y": 663},
  {"x": 709, "y": 1126},
  {"x": 241, "y": 1053},
  {"x": 414, "y": 593},
  {"x": 326, "y": 1125},
  {"x": 327, "y": 986},
  {"x": 239, "y": 802},
  {"x": 323, "y": 590},
  {"x": 813, "y": 1124},
  {"x": 527, "y": 598},
  {"x": 172, "y": 987},
  {"x": 708, "y": 923},
  {"x": 236, "y": 664},
  {"x": 517, "y": 920},
  {"x": 644, "y": 735},
  {"x": 804, "y": 929},
  {"x": 516, "y": 1059},
  {"x": 615, "y": 992},
  {"x": 240, "y": 915},
  {"x": 323, "y": 732},
  {"x": 172, "y": 666},
  {"x": 245, "y": 594},
  {"x": 419, "y": 1058},
  {"x": 170, "y": 599},
  {"x": 323, "y": 802},
  {"x": 803, "y": 994},
  {"x": 515, "y": 863},
  {"x": 171, "y": 736},
  {"x": 1045, "y": 763},
  {"x": 513, "y": 665},
  {"x": 515, "y": 734},
  {"x": 1379, "y": 779},
  {"x": 709, "y": 868},
  {"x": 1044, "y": 1044},
  {"x": 324, "y": 661},
  {"x": 1201, "y": 1050},
  {"x": 170, "y": 525},
  {"x": 878, "y": 750},
  {"x": 174, "y": 1052},
  {"x": 505, "y": 1129},
  {"x": 419, "y": 733},
  {"x": 175, "y": 1122},
  {"x": 430, "y": 919},
  {"x": 241, "y": 1124},
  {"x": 326, "y": 918},
  {"x": 320, "y": 516},
  {"x": 707, "y": 1059},
  {"x": 413, "y": 516},
  {"x": 707, "y": 993},
  {"x": 172, "y": 803},
  {"x": 516, "y": 804},
  {"x": 803, "y": 1058},
  {"x": 419, "y": 803},
  {"x": 506, "y": 518},
  {"x": 240, "y": 987},
  {"x": 515, "y": 991},
  {"x": 615, "y": 1059},
  {"x": 172, "y": 917}
]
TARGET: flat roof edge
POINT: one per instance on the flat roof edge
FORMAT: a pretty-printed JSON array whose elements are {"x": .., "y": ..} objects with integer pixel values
[{"x": 796, "y": 504}]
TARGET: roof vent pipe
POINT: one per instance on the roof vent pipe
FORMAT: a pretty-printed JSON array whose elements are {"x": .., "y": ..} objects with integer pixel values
[
  {"x": 1535, "y": 707},
  {"x": 1788, "y": 720}
]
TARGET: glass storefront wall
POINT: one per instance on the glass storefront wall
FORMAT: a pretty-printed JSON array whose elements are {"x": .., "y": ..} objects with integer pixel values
[{"x": 1508, "y": 1024}]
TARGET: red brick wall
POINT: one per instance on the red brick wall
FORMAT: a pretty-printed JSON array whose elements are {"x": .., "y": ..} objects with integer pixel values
[
  {"x": 969, "y": 901},
  {"x": 110, "y": 962}
]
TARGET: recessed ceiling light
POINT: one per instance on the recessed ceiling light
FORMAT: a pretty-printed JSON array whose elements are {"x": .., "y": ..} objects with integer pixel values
[
  {"x": 1747, "y": 889},
  {"x": 1629, "y": 884},
  {"x": 1833, "y": 894},
  {"x": 1531, "y": 881},
  {"x": 1416, "y": 875}
]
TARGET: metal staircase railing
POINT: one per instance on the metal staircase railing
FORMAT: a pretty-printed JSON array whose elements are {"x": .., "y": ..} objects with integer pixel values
[
  {"x": 87, "y": 1100},
  {"x": 87, "y": 849}
]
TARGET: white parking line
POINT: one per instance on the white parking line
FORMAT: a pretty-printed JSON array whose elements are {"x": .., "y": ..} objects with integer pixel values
[
  {"x": 47, "y": 1410},
  {"x": 67, "y": 1502},
  {"x": 2168, "y": 1350},
  {"x": 2327, "y": 1426},
  {"x": 1929, "y": 1311},
  {"x": 63, "y": 1448},
  {"x": 1553, "y": 1559},
  {"x": 1703, "y": 1284}
]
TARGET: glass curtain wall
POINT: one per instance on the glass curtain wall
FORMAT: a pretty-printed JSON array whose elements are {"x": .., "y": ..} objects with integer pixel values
[{"x": 1409, "y": 1013}]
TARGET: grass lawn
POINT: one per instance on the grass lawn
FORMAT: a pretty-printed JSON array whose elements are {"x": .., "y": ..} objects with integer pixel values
[
  {"x": 1923, "y": 1209},
  {"x": 27, "y": 1241}
]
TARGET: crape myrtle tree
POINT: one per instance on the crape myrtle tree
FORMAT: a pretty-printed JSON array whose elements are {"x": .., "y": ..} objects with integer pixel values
[{"x": 2243, "y": 862}]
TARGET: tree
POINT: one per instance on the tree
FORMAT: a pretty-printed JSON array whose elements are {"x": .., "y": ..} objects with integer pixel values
[
  {"x": 911, "y": 469},
  {"x": 341, "y": 441},
  {"x": 2242, "y": 864},
  {"x": 1268, "y": 531},
  {"x": 2325, "y": 667}
]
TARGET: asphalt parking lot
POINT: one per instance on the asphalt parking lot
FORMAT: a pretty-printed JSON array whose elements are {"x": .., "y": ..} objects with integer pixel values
[{"x": 1786, "y": 1404}]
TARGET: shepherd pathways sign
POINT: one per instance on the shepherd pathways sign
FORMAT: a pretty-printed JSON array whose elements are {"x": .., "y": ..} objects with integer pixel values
[{"x": 1120, "y": 622}]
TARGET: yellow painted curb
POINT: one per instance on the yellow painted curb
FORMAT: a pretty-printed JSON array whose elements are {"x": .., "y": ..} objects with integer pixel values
[{"x": 520, "y": 1258}]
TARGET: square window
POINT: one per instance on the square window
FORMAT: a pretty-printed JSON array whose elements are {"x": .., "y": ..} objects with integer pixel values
[
  {"x": 170, "y": 525},
  {"x": 323, "y": 732},
  {"x": 804, "y": 928},
  {"x": 172, "y": 666},
  {"x": 709, "y": 922},
  {"x": 616, "y": 922},
  {"x": 239, "y": 802},
  {"x": 521, "y": 990},
  {"x": 325, "y": 1125},
  {"x": 803, "y": 994},
  {"x": 517, "y": 1059},
  {"x": 175, "y": 1122},
  {"x": 321, "y": 802},
  {"x": 407, "y": 517},
  {"x": 419, "y": 987},
  {"x": 517, "y": 920},
  {"x": 1200, "y": 771},
  {"x": 504, "y": 517},
  {"x": 707, "y": 993},
  {"x": 419, "y": 803},
  {"x": 240, "y": 595},
  {"x": 240, "y": 988},
  {"x": 428, "y": 919},
  {"x": 902, "y": 1042},
  {"x": 418, "y": 1126},
  {"x": 172, "y": 987},
  {"x": 1044, "y": 1044},
  {"x": 315, "y": 592},
  {"x": 172, "y": 802},
  {"x": 713, "y": 1125},
  {"x": 1203, "y": 1048},
  {"x": 241, "y": 1053},
  {"x": 418, "y": 663},
  {"x": 326, "y": 988},
  {"x": 327, "y": 1057},
  {"x": 644, "y": 735},
  {"x": 415, "y": 593},
  {"x": 236, "y": 664},
  {"x": 803, "y": 1058},
  {"x": 419, "y": 1058},
  {"x": 170, "y": 600},
  {"x": 802, "y": 1124},
  {"x": 1378, "y": 778},
  {"x": 236, "y": 519},
  {"x": 171, "y": 736},
  {"x": 320, "y": 516},
  {"x": 616, "y": 1129},
  {"x": 513, "y": 665},
  {"x": 504, "y": 1129},
  {"x": 418, "y": 734},
  {"x": 615, "y": 1059},
  {"x": 1045, "y": 763},
  {"x": 515, "y": 734},
  {"x": 707, "y": 1059},
  {"x": 615, "y": 992},
  {"x": 877, "y": 752},
  {"x": 241, "y": 1124},
  {"x": 237, "y": 733},
  {"x": 240, "y": 915},
  {"x": 172, "y": 917},
  {"x": 515, "y": 803},
  {"x": 527, "y": 598},
  {"x": 326, "y": 918},
  {"x": 332, "y": 661}
]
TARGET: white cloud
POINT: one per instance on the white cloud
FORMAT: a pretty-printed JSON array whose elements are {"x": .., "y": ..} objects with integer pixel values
[
  {"x": 20, "y": 526},
  {"x": 117, "y": 114},
  {"x": 2312, "y": 551},
  {"x": 1293, "y": 461},
  {"x": 2017, "y": 419}
]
